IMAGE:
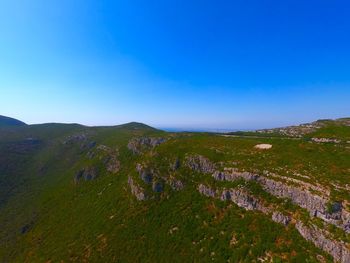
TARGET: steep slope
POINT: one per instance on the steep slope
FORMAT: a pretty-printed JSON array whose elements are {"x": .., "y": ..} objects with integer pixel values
[{"x": 132, "y": 193}]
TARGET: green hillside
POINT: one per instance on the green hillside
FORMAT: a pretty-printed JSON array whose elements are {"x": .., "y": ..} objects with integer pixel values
[{"x": 132, "y": 193}]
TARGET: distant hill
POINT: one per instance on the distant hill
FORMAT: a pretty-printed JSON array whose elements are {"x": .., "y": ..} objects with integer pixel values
[
  {"x": 338, "y": 129},
  {"x": 136, "y": 126},
  {"x": 7, "y": 121}
]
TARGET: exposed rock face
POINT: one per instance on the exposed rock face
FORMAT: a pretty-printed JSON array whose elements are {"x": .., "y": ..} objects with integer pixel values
[
  {"x": 87, "y": 174},
  {"x": 146, "y": 174},
  {"x": 243, "y": 199},
  {"x": 200, "y": 164},
  {"x": 207, "y": 191},
  {"x": 315, "y": 204},
  {"x": 233, "y": 175},
  {"x": 345, "y": 215},
  {"x": 88, "y": 145},
  {"x": 75, "y": 138},
  {"x": 175, "y": 184},
  {"x": 278, "y": 217},
  {"x": 239, "y": 196},
  {"x": 104, "y": 148},
  {"x": 113, "y": 165},
  {"x": 338, "y": 250},
  {"x": 136, "y": 190},
  {"x": 137, "y": 145},
  {"x": 323, "y": 140}
]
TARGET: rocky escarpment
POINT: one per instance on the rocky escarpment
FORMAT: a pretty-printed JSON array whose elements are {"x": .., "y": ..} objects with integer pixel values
[
  {"x": 233, "y": 175},
  {"x": 147, "y": 175},
  {"x": 113, "y": 164},
  {"x": 88, "y": 174},
  {"x": 207, "y": 191},
  {"x": 300, "y": 193},
  {"x": 242, "y": 198},
  {"x": 199, "y": 163},
  {"x": 278, "y": 217},
  {"x": 138, "y": 145},
  {"x": 313, "y": 198},
  {"x": 151, "y": 177},
  {"x": 325, "y": 140},
  {"x": 137, "y": 190},
  {"x": 318, "y": 206},
  {"x": 76, "y": 138},
  {"x": 339, "y": 250}
]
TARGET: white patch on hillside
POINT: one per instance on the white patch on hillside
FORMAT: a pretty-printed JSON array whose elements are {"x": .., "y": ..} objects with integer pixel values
[{"x": 263, "y": 146}]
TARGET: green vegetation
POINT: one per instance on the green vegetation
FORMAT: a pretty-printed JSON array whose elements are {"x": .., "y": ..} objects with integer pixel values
[{"x": 47, "y": 217}]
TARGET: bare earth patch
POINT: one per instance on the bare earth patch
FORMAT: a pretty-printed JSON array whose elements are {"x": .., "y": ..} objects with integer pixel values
[{"x": 263, "y": 146}]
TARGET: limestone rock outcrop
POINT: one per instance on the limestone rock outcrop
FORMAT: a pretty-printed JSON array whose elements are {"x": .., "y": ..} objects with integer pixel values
[
  {"x": 137, "y": 190},
  {"x": 88, "y": 174},
  {"x": 244, "y": 199},
  {"x": 338, "y": 250},
  {"x": 207, "y": 191},
  {"x": 199, "y": 163},
  {"x": 175, "y": 184},
  {"x": 318, "y": 206},
  {"x": 278, "y": 217},
  {"x": 137, "y": 145}
]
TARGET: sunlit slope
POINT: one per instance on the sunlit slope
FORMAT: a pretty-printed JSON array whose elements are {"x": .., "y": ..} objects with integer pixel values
[{"x": 132, "y": 193}]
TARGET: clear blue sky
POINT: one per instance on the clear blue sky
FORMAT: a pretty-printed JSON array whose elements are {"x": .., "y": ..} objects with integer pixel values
[{"x": 175, "y": 63}]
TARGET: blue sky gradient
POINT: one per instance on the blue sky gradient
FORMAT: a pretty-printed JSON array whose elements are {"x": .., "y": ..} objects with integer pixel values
[{"x": 180, "y": 64}]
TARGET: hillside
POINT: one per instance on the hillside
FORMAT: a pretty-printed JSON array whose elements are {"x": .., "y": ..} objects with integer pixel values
[
  {"x": 7, "y": 121},
  {"x": 328, "y": 129},
  {"x": 132, "y": 193}
]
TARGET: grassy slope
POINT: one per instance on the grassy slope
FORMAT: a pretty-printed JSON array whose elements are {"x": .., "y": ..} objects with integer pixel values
[{"x": 101, "y": 221}]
